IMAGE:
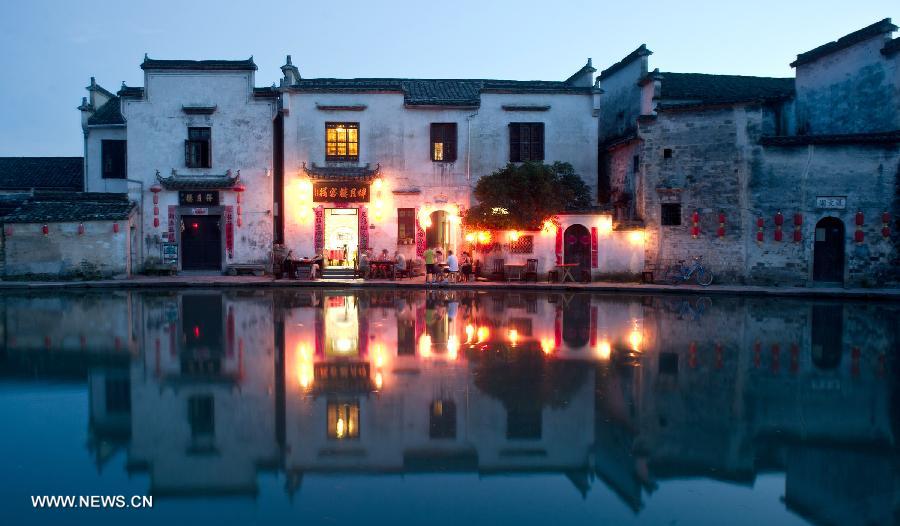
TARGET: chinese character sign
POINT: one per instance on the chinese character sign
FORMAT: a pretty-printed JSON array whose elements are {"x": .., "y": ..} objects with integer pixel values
[
  {"x": 198, "y": 198},
  {"x": 341, "y": 192}
]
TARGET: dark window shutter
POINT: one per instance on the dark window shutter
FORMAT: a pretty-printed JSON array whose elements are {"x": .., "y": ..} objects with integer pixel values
[
  {"x": 450, "y": 142},
  {"x": 537, "y": 142},
  {"x": 208, "y": 153},
  {"x": 435, "y": 132},
  {"x": 187, "y": 153},
  {"x": 514, "y": 141}
]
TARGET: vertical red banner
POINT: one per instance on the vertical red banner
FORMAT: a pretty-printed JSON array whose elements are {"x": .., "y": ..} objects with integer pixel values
[
  {"x": 420, "y": 237},
  {"x": 229, "y": 231},
  {"x": 363, "y": 229},
  {"x": 595, "y": 248},
  {"x": 319, "y": 229},
  {"x": 171, "y": 223},
  {"x": 559, "y": 246}
]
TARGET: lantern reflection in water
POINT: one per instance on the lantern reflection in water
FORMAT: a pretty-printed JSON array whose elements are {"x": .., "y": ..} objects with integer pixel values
[
  {"x": 452, "y": 347},
  {"x": 547, "y": 345},
  {"x": 425, "y": 346},
  {"x": 483, "y": 334},
  {"x": 636, "y": 337},
  {"x": 470, "y": 332},
  {"x": 304, "y": 358},
  {"x": 343, "y": 420},
  {"x": 604, "y": 349}
]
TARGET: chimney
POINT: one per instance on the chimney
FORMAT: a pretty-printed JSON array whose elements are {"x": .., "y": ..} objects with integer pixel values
[{"x": 291, "y": 73}]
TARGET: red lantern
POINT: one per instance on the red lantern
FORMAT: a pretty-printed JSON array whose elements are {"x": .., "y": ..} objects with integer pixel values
[
  {"x": 798, "y": 219},
  {"x": 721, "y": 217},
  {"x": 759, "y": 229},
  {"x": 238, "y": 209},
  {"x": 779, "y": 218},
  {"x": 45, "y": 229},
  {"x": 156, "y": 210},
  {"x": 797, "y": 236},
  {"x": 238, "y": 188},
  {"x": 80, "y": 229},
  {"x": 720, "y": 231},
  {"x": 116, "y": 228},
  {"x": 156, "y": 189},
  {"x": 695, "y": 217},
  {"x": 778, "y": 235},
  {"x": 759, "y": 236},
  {"x": 885, "y": 224},
  {"x": 760, "y": 222},
  {"x": 695, "y": 231},
  {"x": 155, "y": 222},
  {"x": 238, "y": 220},
  {"x": 858, "y": 236},
  {"x": 860, "y": 218}
]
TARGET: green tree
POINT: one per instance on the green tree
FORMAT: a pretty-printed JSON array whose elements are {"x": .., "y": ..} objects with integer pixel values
[{"x": 521, "y": 196}]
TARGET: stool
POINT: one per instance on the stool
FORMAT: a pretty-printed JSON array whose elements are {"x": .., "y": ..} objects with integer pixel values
[{"x": 552, "y": 276}]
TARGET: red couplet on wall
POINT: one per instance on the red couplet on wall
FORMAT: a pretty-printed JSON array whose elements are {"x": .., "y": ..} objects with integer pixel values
[
  {"x": 559, "y": 246},
  {"x": 595, "y": 260}
]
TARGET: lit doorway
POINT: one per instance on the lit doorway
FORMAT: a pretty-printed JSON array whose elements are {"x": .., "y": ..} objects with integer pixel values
[
  {"x": 438, "y": 234},
  {"x": 341, "y": 237}
]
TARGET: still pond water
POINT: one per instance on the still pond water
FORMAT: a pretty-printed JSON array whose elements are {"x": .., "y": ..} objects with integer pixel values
[{"x": 449, "y": 407}]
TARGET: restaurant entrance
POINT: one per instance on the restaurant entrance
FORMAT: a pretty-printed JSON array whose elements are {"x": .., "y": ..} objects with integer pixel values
[{"x": 341, "y": 237}]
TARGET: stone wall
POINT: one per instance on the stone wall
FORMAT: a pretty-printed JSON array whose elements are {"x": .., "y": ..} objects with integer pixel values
[
  {"x": 706, "y": 173},
  {"x": 853, "y": 90},
  {"x": 64, "y": 253}
]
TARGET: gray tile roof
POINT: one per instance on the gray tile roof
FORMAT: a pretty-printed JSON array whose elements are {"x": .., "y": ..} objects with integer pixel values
[
  {"x": 42, "y": 173},
  {"x": 109, "y": 113},
  {"x": 131, "y": 92},
  {"x": 209, "y": 65},
  {"x": 690, "y": 89},
  {"x": 878, "y": 28},
  {"x": 436, "y": 92},
  {"x": 63, "y": 207}
]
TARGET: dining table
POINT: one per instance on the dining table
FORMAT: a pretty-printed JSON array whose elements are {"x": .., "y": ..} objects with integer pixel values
[{"x": 383, "y": 268}]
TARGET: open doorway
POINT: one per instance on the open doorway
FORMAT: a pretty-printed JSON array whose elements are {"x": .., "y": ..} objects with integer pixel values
[
  {"x": 438, "y": 234},
  {"x": 341, "y": 237}
]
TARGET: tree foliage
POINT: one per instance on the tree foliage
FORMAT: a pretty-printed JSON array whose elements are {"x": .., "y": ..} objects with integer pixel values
[{"x": 522, "y": 196}]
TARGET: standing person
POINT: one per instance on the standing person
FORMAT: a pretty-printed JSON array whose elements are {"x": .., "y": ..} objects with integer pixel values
[
  {"x": 452, "y": 264},
  {"x": 364, "y": 265},
  {"x": 466, "y": 266},
  {"x": 429, "y": 264},
  {"x": 344, "y": 255},
  {"x": 438, "y": 268}
]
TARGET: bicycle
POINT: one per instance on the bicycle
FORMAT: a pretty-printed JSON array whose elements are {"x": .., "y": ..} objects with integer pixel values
[{"x": 679, "y": 273}]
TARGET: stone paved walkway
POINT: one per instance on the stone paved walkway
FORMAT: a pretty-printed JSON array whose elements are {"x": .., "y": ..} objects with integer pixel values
[{"x": 219, "y": 281}]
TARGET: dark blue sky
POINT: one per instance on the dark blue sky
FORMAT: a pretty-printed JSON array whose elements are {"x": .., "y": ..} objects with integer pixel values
[{"x": 52, "y": 48}]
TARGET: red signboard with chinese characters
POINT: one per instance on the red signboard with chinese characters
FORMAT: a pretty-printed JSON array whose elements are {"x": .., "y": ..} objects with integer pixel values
[
  {"x": 198, "y": 198},
  {"x": 229, "y": 231},
  {"x": 341, "y": 192}
]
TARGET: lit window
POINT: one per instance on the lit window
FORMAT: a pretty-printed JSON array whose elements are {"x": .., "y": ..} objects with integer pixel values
[
  {"x": 341, "y": 141},
  {"x": 343, "y": 420},
  {"x": 443, "y": 142}
]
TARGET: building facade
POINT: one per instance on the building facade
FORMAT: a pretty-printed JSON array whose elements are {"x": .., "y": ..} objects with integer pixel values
[
  {"x": 391, "y": 163},
  {"x": 772, "y": 180}
]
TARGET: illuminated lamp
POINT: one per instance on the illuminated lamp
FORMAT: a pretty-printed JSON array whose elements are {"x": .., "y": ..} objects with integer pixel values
[
  {"x": 45, "y": 230},
  {"x": 155, "y": 222},
  {"x": 115, "y": 228},
  {"x": 695, "y": 227},
  {"x": 470, "y": 237},
  {"x": 779, "y": 220}
]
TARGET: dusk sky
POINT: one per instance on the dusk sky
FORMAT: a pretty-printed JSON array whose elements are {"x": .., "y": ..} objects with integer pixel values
[{"x": 52, "y": 48}]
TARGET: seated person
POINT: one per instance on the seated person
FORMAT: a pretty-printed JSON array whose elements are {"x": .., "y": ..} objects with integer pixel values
[
  {"x": 466, "y": 266},
  {"x": 452, "y": 263},
  {"x": 400, "y": 262},
  {"x": 316, "y": 266},
  {"x": 364, "y": 265},
  {"x": 385, "y": 256}
]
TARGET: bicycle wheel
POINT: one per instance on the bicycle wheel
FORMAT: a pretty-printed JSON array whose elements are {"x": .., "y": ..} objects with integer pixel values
[{"x": 703, "y": 277}]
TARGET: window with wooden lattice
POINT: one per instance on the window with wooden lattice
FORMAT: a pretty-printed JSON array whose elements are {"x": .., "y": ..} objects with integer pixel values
[{"x": 524, "y": 245}]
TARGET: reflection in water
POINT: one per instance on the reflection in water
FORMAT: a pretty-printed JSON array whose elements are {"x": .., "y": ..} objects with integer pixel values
[{"x": 204, "y": 392}]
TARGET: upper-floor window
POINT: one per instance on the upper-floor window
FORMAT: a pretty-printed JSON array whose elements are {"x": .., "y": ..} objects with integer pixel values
[
  {"x": 670, "y": 214},
  {"x": 112, "y": 155},
  {"x": 198, "y": 148},
  {"x": 341, "y": 141},
  {"x": 443, "y": 142},
  {"x": 526, "y": 141}
]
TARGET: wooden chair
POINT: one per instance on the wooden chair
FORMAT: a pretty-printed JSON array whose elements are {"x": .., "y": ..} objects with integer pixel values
[
  {"x": 499, "y": 270},
  {"x": 531, "y": 270}
]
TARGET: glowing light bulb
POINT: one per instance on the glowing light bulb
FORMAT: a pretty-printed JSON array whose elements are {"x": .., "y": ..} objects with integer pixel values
[
  {"x": 425, "y": 346},
  {"x": 483, "y": 334},
  {"x": 470, "y": 332},
  {"x": 452, "y": 347},
  {"x": 547, "y": 345},
  {"x": 379, "y": 380},
  {"x": 513, "y": 337},
  {"x": 604, "y": 350}
]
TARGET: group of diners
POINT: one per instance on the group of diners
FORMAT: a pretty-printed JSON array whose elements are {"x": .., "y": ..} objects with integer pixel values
[{"x": 453, "y": 269}]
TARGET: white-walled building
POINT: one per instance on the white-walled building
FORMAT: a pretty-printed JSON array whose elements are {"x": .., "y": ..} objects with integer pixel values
[
  {"x": 194, "y": 148},
  {"x": 390, "y": 163}
]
